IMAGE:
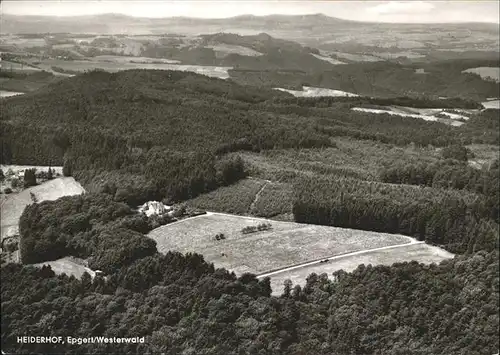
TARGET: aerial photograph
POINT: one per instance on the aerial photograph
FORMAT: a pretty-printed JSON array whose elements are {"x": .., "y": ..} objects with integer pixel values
[{"x": 250, "y": 177}]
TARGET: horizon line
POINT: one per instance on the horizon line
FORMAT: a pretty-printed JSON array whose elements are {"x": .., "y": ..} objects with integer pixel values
[{"x": 246, "y": 15}]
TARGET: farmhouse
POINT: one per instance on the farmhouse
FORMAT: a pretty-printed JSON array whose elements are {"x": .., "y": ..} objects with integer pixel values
[{"x": 155, "y": 208}]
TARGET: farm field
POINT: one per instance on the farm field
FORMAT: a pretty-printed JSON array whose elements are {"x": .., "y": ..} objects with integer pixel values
[
  {"x": 328, "y": 59},
  {"x": 356, "y": 57},
  {"x": 308, "y": 91},
  {"x": 69, "y": 266},
  {"x": 223, "y": 50},
  {"x": 286, "y": 244},
  {"x": 487, "y": 73},
  {"x": 83, "y": 65},
  {"x": 12, "y": 206},
  {"x": 131, "y": 59},
  {"x": 5, "y": 93},
  {"x": 17, "y": 67},
  {"x": 453, "y": 119},
  {"x": 421, "y": 252},
  {"x": 495, "y": 104}
]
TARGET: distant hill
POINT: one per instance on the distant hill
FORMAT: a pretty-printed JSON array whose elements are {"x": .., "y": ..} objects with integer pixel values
[{"x": 117, "y": 23}]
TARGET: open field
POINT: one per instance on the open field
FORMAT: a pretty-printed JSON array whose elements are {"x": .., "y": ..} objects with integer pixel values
[
  {"x": 285, "y": 244},
  {"x": 5, "y": 93},
  {"x": 487, "y": 73},
  {"x": 132, "y": 59},
  {"x": 223, "y": 50},
  {"x": 495, "y": 104},
  {"x": 452, "y": 119},
  {"x": 17, "y": 67},
  {"x": 421, "y": 252},
  {"x": 69, "y": 266},
  {"x": 328, "y": 59},
  {"x": 356, "y": 57},
  {"x": 308, "y": 91},
  {"x": 13, "y": 205},
  {"x": 111, "y": 66}
]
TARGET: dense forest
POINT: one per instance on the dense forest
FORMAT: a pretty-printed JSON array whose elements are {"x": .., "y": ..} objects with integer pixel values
[
  {"x": 450, "y": 174},
  {"x": 125, "y": 125},
  {"x": 383, "y": 79},
  {"x": 143, "y": 135},
  {"x": 180, "y": 304},
  {"x": 457, "y": 221}
]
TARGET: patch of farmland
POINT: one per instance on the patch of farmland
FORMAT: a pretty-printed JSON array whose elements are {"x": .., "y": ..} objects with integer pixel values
[
  {"x": 69, "y": 266},
  {"x": 286, "y": 244},
  {"x": 486, "y": 73},
  {"x": 390, "y": 55},
  {"x": 223, "y": 50},
  {"x": 308, "y": 91},
  {"x": 84, "y": 65},
  {"x": 5, "y": 93},
  {"x": 356, "y": 57},
  {"x": 131, "y": 59},
  {"x": 18, "y": 67},
  {"x": 451, "y": 119},
  {"x": 23, "y": 43},
  {"x": 13, "y": 205},
  {"x": 328, "y": 59},
  {"x": 492, "y": 104},
  {"x": 421, "y": 252},
  {"x": 235, "y": 198}
]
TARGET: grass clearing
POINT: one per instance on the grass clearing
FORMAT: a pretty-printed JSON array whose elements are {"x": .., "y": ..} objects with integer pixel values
[
  {"x": 69, "y": 266},
  {"x": 12, "y": 206},
  {"x": 486, "y": 73},
  {"x": 423, "y": 253},
  {"x": 112, "y": 66},
  {"x": 286, "y": 244},
  {"x": 223, "y": 50}
]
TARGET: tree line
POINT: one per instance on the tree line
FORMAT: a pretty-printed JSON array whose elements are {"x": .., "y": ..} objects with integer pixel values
[
  {"x": 458, "y": 222},
  {"x": 449, "y": 175}
]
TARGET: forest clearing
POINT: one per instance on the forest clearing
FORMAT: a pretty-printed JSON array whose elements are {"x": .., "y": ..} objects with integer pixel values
[
  {"x": 13, "y": 205},
  {"x": 283, "y": 245}
]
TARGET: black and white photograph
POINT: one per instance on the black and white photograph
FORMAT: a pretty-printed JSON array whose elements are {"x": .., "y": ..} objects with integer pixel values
[{"x": 250, "y": 177}]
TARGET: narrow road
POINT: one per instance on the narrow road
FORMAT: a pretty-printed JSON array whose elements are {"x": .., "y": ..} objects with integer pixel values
[{"x": 315, "y": 262}]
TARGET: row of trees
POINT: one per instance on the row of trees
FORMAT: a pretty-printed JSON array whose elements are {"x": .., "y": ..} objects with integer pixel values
[{"x": 459, "y": 222}]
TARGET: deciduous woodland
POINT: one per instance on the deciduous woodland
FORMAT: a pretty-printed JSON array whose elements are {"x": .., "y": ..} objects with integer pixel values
[{"x": 140, "y": 135}]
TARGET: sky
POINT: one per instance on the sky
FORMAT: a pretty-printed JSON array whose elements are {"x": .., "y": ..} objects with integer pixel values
[{"x": 379, "y": 11}]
